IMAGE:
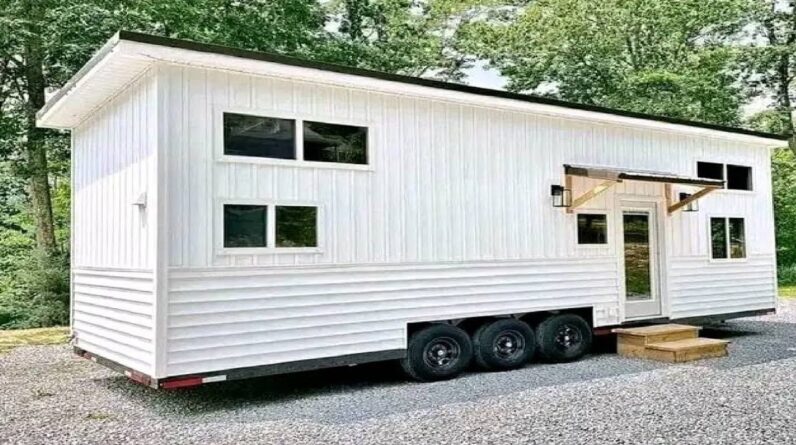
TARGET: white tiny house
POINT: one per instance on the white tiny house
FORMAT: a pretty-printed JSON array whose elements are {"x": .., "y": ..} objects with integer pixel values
[{"x": 239, "y": 214}]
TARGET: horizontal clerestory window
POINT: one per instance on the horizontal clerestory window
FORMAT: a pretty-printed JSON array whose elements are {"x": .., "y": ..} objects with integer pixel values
[{"x": 276, "y": 138}]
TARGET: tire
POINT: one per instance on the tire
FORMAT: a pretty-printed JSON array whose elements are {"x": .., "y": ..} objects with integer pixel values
[
  {"x": 503, "y": 344},
  {"x": 563, "y": 338},
  {"x": 438, "y": 352}
]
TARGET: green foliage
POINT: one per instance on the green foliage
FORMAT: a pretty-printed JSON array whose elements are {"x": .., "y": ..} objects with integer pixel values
[
  {"x": 783, "y": 169},
  {"x": 786, "y": 275},
  {"x": 662, "y": 57}
]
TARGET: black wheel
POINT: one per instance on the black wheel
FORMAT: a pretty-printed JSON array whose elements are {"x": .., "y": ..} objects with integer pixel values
[
  {"x": 438, "y": 352},
  {"x": 563, "y": 337},
  {"x": 503, "y": 344}
]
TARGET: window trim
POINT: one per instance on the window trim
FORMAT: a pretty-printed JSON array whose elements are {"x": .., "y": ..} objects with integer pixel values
[
  {"x": 608, "y": 232},
  {"x": 724, "y": 170},
  {"x": 298, "y": 138},
  {"x": 270, "y": 242},
  {"x": 727, "y": 218}
]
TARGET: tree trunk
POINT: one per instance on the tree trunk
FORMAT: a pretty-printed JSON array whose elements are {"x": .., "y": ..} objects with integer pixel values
[{"x": 35, "y": 147}]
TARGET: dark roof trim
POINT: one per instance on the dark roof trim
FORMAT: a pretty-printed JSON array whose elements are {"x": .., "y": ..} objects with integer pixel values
[
  {"x": 286, "y": 60},
  {"x": 631, "y": 175}
]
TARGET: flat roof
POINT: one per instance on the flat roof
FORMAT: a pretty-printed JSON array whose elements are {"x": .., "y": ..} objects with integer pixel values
[{"x": 135, "y": 37}]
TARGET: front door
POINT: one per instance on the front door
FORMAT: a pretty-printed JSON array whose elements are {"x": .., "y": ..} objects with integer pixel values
[{"x": 639, "y": 248}]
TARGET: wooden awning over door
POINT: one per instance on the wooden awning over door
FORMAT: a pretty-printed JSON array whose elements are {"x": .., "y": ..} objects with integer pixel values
[{"x": 611, "y": 176}]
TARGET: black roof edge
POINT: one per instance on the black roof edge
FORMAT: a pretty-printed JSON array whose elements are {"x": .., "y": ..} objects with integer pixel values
[{"x": 324, "y": 66}]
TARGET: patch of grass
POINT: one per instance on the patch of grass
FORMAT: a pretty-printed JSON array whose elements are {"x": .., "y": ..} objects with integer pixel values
[
  {"x": 32, "y": 337},
  {"x": 787, "y": 291}
]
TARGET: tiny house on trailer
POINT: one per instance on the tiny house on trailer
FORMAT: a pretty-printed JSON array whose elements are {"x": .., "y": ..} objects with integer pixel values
[{"x": 237, "y": 214}]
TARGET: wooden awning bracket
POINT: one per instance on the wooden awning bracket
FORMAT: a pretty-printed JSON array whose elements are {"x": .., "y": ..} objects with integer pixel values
[
  {"x": 672, "y": 207},
  {"x": 589, "y": 195}
]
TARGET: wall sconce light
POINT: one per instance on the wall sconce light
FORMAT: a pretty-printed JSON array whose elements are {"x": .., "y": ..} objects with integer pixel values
[
  {"x": 562, "y": 197},
  {"x": 692, "y": 206}
]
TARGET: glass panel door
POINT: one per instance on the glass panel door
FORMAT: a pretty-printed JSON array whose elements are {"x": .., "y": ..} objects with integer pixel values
[
  {"x": 638, "y": 281},
  {"x": 639, "y": 248}
]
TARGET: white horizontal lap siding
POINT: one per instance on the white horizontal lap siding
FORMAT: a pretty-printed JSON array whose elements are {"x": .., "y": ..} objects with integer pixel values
[
  {"x": 227, "y": 320},
  {"x": 113, "y": 240},
  {"x": 699, "y": 287},
  {"x": 112, "y": 315}
]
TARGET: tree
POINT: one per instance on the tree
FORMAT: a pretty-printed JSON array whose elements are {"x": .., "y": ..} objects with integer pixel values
[
  {"x": 664, "y": 57},
  {"x": 770, "y": 60},
  {"x": 42, "y": 44}
]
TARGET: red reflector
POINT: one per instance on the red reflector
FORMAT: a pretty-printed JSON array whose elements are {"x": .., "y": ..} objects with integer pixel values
[{"x": 182, "y": 383}]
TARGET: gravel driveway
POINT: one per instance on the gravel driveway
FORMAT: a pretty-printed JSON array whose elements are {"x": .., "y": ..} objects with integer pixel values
[{"x": 49, "y": 396}]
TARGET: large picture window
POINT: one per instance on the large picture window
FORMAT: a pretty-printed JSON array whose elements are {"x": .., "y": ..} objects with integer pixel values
[
  {"x": 727, "y": 238},
  {"x": 258, "y": 136}
]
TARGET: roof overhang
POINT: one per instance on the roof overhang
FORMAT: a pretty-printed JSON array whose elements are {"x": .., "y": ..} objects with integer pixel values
[
  {"x": 611, "y": 176},
  {"x": 128, "y": 55},
  {"x": 618, "y": 174}
]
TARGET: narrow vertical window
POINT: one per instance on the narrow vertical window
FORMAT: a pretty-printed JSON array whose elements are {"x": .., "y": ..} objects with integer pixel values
[
  {"x": 296, "y": 226},
  {"x": 737, "y": 238},
  {"x": 245, "y": 226},
  {"x": 718, "y": 238}
]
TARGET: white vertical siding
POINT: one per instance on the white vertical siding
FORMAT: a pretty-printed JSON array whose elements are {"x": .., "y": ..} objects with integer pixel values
[
  {"x": 113, "y": 165},
  {"x": 113, "y": 241},
  {"x": 447, "y": 182}
]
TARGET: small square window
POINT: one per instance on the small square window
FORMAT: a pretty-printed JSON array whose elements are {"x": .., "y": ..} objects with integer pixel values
[
  {"x": 739, "y": 177},
  {"x": 727, "y": 238},
  {"x": 335, "y": 143},
  {"x": 259, "y": 136},
  {"x": 296, "y": 226},
  {"x": 710, "y": 170},
  {"x": 245, "y": 226},
  {"x": 592, "y": 229}
]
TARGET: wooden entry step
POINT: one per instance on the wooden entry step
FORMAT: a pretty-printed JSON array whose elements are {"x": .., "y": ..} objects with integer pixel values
[
  {"x": 667, "y": 342},
  {"x": 687, "y": 350}
]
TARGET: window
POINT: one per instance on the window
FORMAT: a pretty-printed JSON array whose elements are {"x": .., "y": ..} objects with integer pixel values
[
  {"x": 592, "y": 229},
  {"x": 710, "y": 170},
  {"x": 296, "y": 226},
  {"x": 739, "y": 177},
  {"x": 245, "y": 226},
  {"x": 270, "y": 137},
  {"x": 258, "y": 136},
  {"x": 727, "y": 238},
  {"x": 252, "y": 226},
  {"x": 335, "y": 143}
]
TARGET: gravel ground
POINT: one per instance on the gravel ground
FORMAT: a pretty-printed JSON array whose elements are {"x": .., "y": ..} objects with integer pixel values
[{"x": 49, "y": 396}]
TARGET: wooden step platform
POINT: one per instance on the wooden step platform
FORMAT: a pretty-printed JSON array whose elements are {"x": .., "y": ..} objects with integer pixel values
[{"x": 673, "y": 343}]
